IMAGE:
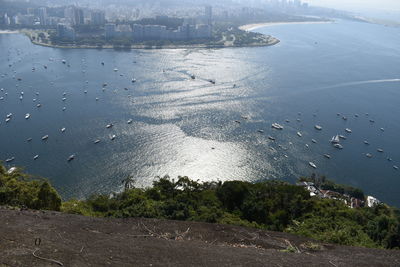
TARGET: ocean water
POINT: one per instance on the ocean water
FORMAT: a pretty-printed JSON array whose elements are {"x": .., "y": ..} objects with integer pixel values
[{"x": 187, "y": 127}]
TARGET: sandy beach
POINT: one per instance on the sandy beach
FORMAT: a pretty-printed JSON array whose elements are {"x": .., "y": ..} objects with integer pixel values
[
  {"x": 7, "y": 32},
  {"x": 252, "y": 27}
]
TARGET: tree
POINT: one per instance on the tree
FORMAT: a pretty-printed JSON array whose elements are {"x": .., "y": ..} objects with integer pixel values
[{"x": 128, "y": 183}]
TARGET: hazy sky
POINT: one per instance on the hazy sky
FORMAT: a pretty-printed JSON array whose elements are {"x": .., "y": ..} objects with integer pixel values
[{"x": 388, "y": 5}]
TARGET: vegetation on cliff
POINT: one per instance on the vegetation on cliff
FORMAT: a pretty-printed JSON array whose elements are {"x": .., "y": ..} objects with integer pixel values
[{"x": 271, "y": 205}]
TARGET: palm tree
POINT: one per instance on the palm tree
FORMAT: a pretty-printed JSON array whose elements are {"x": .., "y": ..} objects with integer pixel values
[{"x": 128, "y": 182}]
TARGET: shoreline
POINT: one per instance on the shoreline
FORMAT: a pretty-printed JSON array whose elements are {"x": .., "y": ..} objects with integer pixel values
[
  {"x": 254, "y": 26},
  {"x": 269, "y": 42}
]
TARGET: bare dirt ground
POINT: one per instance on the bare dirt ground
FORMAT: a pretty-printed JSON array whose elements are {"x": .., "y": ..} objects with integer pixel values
[{"x": 36, "y": 238}]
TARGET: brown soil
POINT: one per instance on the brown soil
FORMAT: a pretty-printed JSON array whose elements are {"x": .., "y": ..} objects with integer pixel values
[{"x": 71, "y": 240}]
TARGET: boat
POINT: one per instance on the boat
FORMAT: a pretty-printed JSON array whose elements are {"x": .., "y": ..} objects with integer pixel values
[
  {"x": 312, "y": 165},
  {"x": 287, "y": 121},
  {"x": 395, "y": 167},
  {"x": 344, "y": 118},
  {"x": 338, "y": 146},
  {"x": 129, "y": 121},
  {"x": 21, "y": 97},
  {"x": 335, "y": 139},
  {"x": 368, "y": 155},
  {"x": 8, "y": 119},
  {"x": 380, "y": 150},
  {"x": 97, "y": 141},
  {"x": 27, "y": 116},
  {"x": 29, "y": 139},
  {"x": 10, "y": 160},
  {"x": 64, "y": 108},
  {"x": 260, "y": 131},
  {"x": 45, "y": 137},
  {"x": 63, "y": 130},
  {"x": 36, "y": 157},
  {"x": 192, "y": 76},
  {"x": 366, "y": 142},
  {"x": 348, "y": 130},
  {"x": 63, "y": 61},
  {"x": 271, "y": 138},
  {"x": 64, "y": 98},
  {"x": 327, "y": 156},
  {"x": 382, "y": 129},
  {"x": 299, "y": 134},
  {"x": 9, "y": 115},
  {"x": 238, "y": 121},
  {"x": 72, "y": 157},
  {"x": 342, "y": 137},
  {"x": 307, "y": 146},
  {"x": 102, "y": 63},
  {"x": 389, "y": 159},
  {"x": 371, "y": 121},
  {"x": 85, "y": 91},
  {"x": 2, "y": 98},
  {"x": 318, "y": 127},
  {"x": 314, "y": 141},
  {"x": 38, "y": 105},
  {"x": 115, "y": 69},
  {"x": 133, "y": 80},
  {"x": 108, "y": 126},
  {"x": 277, "y": 126},
  {"x": 113, "y": 137},
  {"x": 212, "y": 81}
]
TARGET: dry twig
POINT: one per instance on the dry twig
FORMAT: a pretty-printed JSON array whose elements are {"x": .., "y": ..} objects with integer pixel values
[{"x": 46, "y": 259}]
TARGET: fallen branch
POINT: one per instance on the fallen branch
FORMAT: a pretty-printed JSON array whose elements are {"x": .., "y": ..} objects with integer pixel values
[
  {"x": 333, "y": 263},
  {"x": 46, "y": 259}
]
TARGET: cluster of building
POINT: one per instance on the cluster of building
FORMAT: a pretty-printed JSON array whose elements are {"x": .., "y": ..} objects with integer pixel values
[
  {"x": 157, "y": 32},
  {"x": 351, "y": 202},
  {"x": 72, "y": 15}
]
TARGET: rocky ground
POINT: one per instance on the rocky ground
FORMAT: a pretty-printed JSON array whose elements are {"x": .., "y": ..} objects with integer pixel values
[{"x": 36, "y": 238}]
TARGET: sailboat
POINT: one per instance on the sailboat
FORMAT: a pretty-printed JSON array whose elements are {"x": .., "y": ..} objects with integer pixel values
[{"x": 335, "y": 139}]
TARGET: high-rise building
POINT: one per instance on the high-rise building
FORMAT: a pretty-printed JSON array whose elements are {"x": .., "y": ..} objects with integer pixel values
[
  {"x": 208, "y": 14},
  {"x": 42, "y": 14},
  {"x": 98, "y": 17},
  {"x": 79, "y": 19}
]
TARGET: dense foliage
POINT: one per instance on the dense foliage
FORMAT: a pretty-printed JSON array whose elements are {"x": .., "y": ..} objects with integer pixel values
[
  {"x": 18, "y": 189},
  {"x": 272, "y": 205}
]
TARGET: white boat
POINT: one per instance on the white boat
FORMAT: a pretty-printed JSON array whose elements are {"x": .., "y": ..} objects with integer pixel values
[
  {"x": 368, "y": 155},
  {"x": 21, "y": 97},
  {"x": 97, "y": 141},
  {"x": 327, "y": 156},
  {"x": 342, "y": 137},
  {"x": 338, "y": 146},
  {"x": 312, "y": 165},
  {"x": 335, "y": 139},
  {"x": 64, "y": 108},
  {"x": 260, "y": 131},
  {"x": 395, "y": 167},
  {"x": 45, "y": 137},
  {"x": 277, "y": 126},
  {"x": 380, "y": 150},
  {"x": 72, "y": 157},
  {"x": 63, "y": 61},
  {"x": 63, "y": 129},
  {"x": 348, "y": 130},
  {"x": 29, "y": 139},
  {"x": 366, "y": 142},
  {"x": 318, "y": 127},
  {"x": 129, "y": 121},
  {"x": 9, "y": 115},
  {"x": 112, "y": 137},
  {"x": 314, "y": 141},
  {"x": 8, "y": 119},
  {"x": 299, "y": 134},
  {"x": 1, "y": 98},
  {"x": 115, "y": 69},
  {"x": 10, "y": 159},
  {"x": 27, "y": 116},
  {"x": 271, "y": 138},
  {"x": 64, "y": 98},
  {"x": 36, "y": 157},
  {"x": 108, "y": 126},
  {"x": 85, "y": 91},
  {"x": 38, "y": 105},
  {"x": 382, "y": 129},
  {"x": 133, "y": 80}
]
